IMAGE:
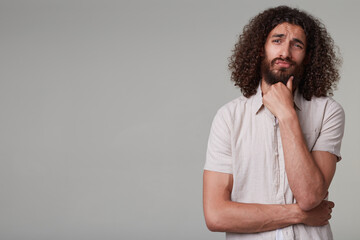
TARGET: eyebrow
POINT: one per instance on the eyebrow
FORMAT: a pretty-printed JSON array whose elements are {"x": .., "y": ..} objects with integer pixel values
[{"x": 283, "y": 35}]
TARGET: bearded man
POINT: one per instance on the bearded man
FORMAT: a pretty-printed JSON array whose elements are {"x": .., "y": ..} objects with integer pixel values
[{"x": 272, "y": 152}]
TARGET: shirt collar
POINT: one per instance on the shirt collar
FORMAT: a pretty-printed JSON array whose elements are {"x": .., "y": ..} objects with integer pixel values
[
  {"x": 257, "y": 100},
  {"x": 298, "y": 100},
  {"x": 257, "y": 104}
]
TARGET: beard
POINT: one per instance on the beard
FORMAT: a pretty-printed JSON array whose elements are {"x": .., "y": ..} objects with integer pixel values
[{"x": 272, "y": 76}]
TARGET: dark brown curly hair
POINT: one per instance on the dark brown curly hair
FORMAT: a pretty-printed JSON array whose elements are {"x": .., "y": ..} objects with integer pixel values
[{"x": 321, "y": 72}]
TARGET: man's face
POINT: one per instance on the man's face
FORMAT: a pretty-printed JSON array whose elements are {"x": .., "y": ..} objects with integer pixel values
[{"x": 285, "y": 51}]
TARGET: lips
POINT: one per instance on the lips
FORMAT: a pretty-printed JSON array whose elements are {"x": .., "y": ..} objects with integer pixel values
[{"x": 283, "y": 64}]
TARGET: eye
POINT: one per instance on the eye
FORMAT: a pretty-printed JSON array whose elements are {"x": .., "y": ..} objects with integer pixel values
[
  {"x": 276, "y": 41},
  {"x": 299, "y": 46}
]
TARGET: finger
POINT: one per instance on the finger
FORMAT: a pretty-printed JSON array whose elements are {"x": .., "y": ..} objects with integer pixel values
[
  {"x": 289, "y": 83},
  {"x": 324, "y": 223},
  {"x": 331, "y": 204}
]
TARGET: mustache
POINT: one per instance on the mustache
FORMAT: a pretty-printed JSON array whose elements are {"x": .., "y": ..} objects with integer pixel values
[{"x": 287, "y": 60}]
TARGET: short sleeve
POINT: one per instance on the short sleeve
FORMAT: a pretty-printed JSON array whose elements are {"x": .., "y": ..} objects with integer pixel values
[
  {"x": 219, "y": 153},
  {"x": 332, "y": 130}
]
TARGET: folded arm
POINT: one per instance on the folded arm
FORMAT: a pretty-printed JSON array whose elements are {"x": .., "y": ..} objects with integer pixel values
[{"x": 224, "y": 215}]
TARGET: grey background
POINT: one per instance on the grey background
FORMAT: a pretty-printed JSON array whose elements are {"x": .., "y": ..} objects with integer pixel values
[{"x": 106, "y": 106}]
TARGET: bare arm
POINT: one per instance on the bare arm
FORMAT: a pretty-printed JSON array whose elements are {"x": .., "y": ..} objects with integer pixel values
[
  {"x": 224, "y": 215},
  {"x": 309, "y": 174}
]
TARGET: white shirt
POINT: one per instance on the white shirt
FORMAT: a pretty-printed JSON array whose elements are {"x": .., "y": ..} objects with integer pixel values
[{"x": 245, "y": 141}]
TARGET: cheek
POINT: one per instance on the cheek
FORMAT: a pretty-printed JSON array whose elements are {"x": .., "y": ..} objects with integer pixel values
[
  {"x": 300, "y": 58},
  {"x": 271, "y": 53}
]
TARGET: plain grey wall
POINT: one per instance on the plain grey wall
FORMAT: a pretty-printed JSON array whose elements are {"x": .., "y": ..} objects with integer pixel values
[{"x": 106, "y": 106}]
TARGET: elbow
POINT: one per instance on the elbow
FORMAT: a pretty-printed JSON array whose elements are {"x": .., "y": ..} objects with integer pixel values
[
  {"x": 309, "y": 203},
  {"x": 312, "y": 198},
  {"x": 306, "y": 206},
  {"x": 212, "y": 226},
  {"x": 214, "y": 222}
]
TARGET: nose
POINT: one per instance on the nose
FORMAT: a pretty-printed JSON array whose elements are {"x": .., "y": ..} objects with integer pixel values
[{"x": 285, "y": 51}]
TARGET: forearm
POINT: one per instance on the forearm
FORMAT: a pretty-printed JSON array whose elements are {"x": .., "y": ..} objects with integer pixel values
[
  {"x": 224, "y": 215},
  {"x": 250, "y": 218},
  {"x": 305, "y": 178}
]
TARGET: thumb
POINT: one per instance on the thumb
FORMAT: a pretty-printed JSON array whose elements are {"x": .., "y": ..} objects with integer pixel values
[{"x": 289, "y": 83}]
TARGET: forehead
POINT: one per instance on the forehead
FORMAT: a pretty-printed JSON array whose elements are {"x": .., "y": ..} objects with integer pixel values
[{"x": 289, "y": 30}]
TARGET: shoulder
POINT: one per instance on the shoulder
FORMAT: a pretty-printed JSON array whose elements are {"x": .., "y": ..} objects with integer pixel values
[
  {"x": 328, "y": 104},
  {"x": 320, "y": 112},
  {"x": 324, "y": 105},
  {"x": 235, "y": 107}
]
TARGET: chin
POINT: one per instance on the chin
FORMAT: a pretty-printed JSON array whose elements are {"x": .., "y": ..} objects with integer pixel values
[
  {"x": 282, "y": 75},
  {"x": 283, "y": 71}
]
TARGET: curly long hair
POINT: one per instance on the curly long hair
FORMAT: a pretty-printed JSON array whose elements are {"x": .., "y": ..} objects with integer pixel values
[{"x": 321, "y": 71}]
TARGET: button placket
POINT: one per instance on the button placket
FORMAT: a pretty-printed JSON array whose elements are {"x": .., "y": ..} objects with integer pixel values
[
  {"x": 281, "y": 168},
  {"x": 276, "y": 157}
]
